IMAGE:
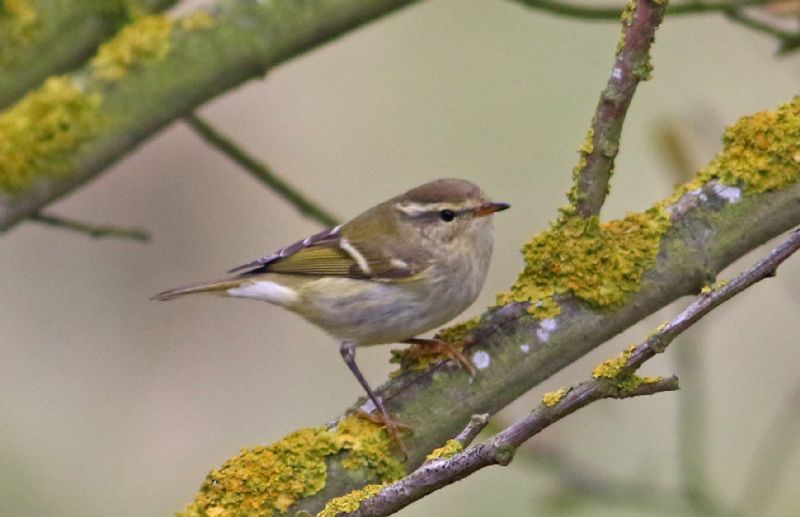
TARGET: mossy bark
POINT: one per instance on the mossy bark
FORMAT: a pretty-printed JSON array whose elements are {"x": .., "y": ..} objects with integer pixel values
[
  {"x": 50, "y": 37},
  {"x": 244, "y": 40}
]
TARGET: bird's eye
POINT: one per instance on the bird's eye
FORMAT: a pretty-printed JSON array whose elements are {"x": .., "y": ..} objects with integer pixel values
[{"x": 447, "y": 215}]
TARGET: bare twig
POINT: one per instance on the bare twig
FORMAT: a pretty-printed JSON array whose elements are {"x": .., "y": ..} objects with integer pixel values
[
  {"x": 632, "y": 65},
  {"x": 260, "y": 171},
  {"x": 788, "y": 40},
  {"x": 499, "y": 450},
  {"x": 611, "y": 13},
  {"x": 94, "y": 231},
  {"x": 706, "y": 302},
  {"x": 476, "y": 424}
]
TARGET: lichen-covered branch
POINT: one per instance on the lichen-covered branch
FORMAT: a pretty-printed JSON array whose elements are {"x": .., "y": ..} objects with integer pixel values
[
  {"x": 747, "y": 195},
  {"x": 615, "y": 378},
  {"x": 153, "y": 71},
  {"x": 640, "y": 20},
  {"x": 498, "y": 450},
  {"x": 261, "y": 171},
  {"x": 610, "y": 13},
  {"x": 39, "y": 38}
]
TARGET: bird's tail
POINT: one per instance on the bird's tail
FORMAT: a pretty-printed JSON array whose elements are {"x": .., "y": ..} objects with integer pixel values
[{"x": 218, "y": 287}]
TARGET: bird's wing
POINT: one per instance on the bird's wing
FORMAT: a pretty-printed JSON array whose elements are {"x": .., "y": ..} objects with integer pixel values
[{"x": 329, "y": 253}]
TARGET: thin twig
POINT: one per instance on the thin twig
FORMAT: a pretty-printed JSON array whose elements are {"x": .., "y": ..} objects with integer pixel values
[
  {"x": 476, "y": 424},
  {"x": 632, "y": 64},
  {"x": 611, "y": 13},
  {"x": 789, "y": 40},
  {"x": 260, "y": 171},
  {"x": 706, "y": 302},
  {"x": 499, "y": 450},
  {"x": 94, "y": 231}
]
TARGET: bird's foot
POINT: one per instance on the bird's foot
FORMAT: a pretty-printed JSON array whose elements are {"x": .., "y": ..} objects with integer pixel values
[
  {"x": 393, "y": 428},
  {"x": 452, "y": 351}
]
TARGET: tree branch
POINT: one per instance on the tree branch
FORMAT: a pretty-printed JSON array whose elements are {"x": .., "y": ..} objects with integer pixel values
[
  {"x": 611, "y": 13},
  {"x": 500, "y": 449},
  {"x": 632, "y": 64},
  {"x": 260, "y": 171},
  {"x": 612, "y": 379},
  {"x": 91, "y": 230},
  {"x": 710, "y": 225},
  {"x": 152, "y": 72},
  {"x": 53, "y": 36}
]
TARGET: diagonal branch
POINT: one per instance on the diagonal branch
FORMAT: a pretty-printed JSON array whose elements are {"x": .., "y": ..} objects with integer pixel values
[
  {"x": 499, "y": 450},
  {"x": 92, "y": 230},
  {"x": 46, "y": 37},
  {"x": 632, "y": 64},
  {"x": 611, "y": 13},
  {"x": 612, "y": 379},
  {"x": 154, "y": 71},
  {"x": 260, "y": 171}
]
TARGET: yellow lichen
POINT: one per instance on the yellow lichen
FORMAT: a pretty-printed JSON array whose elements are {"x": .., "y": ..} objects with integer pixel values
[
  {"x": 369, "y": 447},
  {"x": 761, "y": 152},
  {"x": 349, "y": 502},
  {"x": 448, "y": 450},
  {"x": 266, "y": 479},
  {"x": 198, "y": 20},
  {"x": 38, "y": 133},
  {"x": 554, "y": 397},
  {"x": 146, "y": 40},
  {"x": 610, "y": 368},
  {"x": 586, "y": 148},
  {"x": 598, "y": 263}
]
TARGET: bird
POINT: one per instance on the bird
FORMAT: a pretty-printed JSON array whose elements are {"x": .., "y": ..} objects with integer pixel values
[{"x": 402, "y": 268}]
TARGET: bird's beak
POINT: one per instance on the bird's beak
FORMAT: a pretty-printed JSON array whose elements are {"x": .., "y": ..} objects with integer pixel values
[{"x": 489, "y": 208}]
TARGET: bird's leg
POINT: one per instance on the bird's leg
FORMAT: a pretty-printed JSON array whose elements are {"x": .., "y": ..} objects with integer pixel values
[
  {"x": 348, "y": 351},
  {"x": 437, "y": 346}
]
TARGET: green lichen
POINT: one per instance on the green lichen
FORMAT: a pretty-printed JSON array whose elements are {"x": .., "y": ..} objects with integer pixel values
[
  {"x": 40, "y": 133},
  {"x": 600, "y": 264},
  {"x": 19, "y": 26},
  {"x": 552, "y": 398},
  {"x": 146, "y": 40},
  {"x": 266, "y": 479},
  {"x": 417, "y": 357},
  {"x": 368, "y": 447},
  {"x": 349, "y": 502},
  {"x": 197, "y": 20},
  {"x": 448, "y": 450}
]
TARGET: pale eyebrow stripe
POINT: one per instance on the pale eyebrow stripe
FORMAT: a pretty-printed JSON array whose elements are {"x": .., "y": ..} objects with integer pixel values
[{"x": 415, "y": 209}]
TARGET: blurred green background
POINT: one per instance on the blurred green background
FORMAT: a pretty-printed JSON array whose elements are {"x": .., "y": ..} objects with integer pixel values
[{"x": 114, "y": 405}]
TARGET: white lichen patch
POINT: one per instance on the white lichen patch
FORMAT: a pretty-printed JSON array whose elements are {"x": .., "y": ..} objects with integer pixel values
[
  {"x": 481, "y": 360},
  {"x": 728, "y": 193},
  {"x": 546, "y": 326}
]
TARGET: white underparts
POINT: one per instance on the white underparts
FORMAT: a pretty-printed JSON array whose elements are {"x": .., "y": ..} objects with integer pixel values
[
  {"x": 355, "y": 255},
  {"x": 265, "y": 290}
]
